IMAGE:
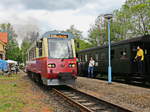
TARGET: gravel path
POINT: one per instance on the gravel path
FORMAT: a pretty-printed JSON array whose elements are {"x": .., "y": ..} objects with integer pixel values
[
  {"x": 50, "y": 99},
  {"x": 134, "y": 98}
]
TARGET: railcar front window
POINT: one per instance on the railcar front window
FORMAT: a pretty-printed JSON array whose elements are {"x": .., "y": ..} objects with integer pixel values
[{"x": 60, "y": 48}]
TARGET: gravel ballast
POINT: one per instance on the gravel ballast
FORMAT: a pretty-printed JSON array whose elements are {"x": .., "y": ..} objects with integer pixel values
[{"x": 134, "y": 98}]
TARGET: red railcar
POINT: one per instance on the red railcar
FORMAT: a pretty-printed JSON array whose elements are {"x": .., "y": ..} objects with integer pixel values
[{"x": 52, "y": 60}]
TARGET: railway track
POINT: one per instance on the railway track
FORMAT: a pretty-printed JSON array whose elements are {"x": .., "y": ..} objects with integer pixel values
[{"x": 85, "y": 102}]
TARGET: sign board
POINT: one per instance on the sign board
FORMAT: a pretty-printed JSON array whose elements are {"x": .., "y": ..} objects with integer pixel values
[{"x": 58, "y": 36}]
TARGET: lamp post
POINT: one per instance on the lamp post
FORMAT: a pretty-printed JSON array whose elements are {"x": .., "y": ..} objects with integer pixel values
[{"x": 108, "y": 17}]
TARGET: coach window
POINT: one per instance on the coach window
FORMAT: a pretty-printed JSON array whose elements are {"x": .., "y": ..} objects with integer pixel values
[
  {"x": 86, "y": 58},
  {"x": 96, "y": 56},
  {"x": 89, "y": 56},
  {"x": 81, "y": 58},
  {"x": 123, "y": 54},
  {"x": 112, "y": 54},
  {"x": 102, "y": 56}
]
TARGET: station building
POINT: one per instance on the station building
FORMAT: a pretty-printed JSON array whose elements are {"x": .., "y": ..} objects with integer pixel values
[{"x": 3, "y": 43}]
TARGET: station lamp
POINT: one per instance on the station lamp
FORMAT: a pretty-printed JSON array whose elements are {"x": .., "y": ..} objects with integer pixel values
[{"x": 108, "y": 18}]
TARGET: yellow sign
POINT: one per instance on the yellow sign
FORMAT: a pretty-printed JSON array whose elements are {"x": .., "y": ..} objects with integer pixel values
[{"x": 59, "y": 36}]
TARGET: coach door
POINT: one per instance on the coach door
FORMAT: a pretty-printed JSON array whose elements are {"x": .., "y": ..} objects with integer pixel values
[{"x": 147, "y": 57}]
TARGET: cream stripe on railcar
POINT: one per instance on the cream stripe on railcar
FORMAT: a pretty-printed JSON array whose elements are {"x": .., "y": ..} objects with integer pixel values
[
  {"x": 37, "y": 52},
  {"x": 45, "y": 48},
  {"x": 73, "y": 47}
]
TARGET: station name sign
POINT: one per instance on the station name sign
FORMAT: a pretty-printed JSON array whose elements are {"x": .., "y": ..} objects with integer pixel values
[{"x": 58, "y": 36}]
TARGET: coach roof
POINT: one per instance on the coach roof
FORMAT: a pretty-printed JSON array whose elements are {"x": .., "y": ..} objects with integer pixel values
[{"x": 145, "y": 38}]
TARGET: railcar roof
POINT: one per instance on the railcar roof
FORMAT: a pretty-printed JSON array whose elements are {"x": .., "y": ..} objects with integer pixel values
[
  {"x": 56, "y": 33},
  {"x": 145, "y": 38}
]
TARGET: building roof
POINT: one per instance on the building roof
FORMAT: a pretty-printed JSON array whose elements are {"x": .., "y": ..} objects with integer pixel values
[{"x": 4, "y": 37}]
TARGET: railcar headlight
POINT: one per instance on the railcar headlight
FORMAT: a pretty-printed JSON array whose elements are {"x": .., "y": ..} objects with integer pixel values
[
  {"x": 72, "y": 65},
  {"x": 51, "y": 65}
]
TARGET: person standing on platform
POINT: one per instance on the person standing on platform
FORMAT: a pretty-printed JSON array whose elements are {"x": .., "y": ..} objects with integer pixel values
[
  {"x": 91, "y": 67},
  {"x": 140, "y": 58}
]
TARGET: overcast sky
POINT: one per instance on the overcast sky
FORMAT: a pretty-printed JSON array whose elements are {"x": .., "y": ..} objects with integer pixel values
[{"x": 54, "y": 14}]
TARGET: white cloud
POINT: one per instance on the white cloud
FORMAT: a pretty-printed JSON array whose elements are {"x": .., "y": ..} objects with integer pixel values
[{"x": 81, "y": 13}]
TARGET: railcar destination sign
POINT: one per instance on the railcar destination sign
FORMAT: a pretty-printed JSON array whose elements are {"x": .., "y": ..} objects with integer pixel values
[{"x": 58, "y": 36}]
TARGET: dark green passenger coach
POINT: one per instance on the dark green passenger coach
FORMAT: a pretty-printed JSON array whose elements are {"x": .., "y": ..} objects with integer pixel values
[{"x": 122, "y": 58}]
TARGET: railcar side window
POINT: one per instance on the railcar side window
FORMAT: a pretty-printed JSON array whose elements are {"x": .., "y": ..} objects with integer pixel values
[
  {"x": 40, "y": 50},
  {"x": 32, "y": 54}
]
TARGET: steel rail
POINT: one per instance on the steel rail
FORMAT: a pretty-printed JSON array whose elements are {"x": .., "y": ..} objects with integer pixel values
[
  {"x": 71, "y": 101},
  {"x": 107, "y": 105}
]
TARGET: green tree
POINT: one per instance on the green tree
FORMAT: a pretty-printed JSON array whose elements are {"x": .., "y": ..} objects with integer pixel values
[
  {"x": 94, "y": 36},
  {"x": 132, "y": 19},
  {"x": 13, "y": 51},
  {"x": 122, "y": 23},
  {"x": 141, "y": 17},
  {"x": 98, "y": 32},
  {"x": 24, "y": 47},
  {"x": 80, "y": 42}
]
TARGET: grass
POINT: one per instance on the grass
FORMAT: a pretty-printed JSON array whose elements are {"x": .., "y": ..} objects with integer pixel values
[
  {"x": 19, "y": 95},
  {"x": 10, "y": 99},
  {"x": 9, "y": 77}
]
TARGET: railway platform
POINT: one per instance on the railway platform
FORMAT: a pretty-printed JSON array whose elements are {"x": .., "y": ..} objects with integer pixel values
[{"x": 131, "y": 97}]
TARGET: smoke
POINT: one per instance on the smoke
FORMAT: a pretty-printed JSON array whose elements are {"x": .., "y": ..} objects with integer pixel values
[{"x": 25, "y": 29}]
